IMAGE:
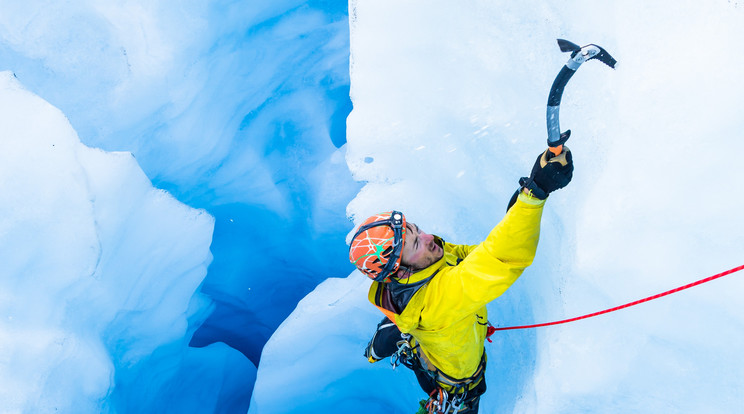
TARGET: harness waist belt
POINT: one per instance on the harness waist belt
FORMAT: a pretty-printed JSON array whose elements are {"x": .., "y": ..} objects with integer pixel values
[{"x": 445, "y": 379}]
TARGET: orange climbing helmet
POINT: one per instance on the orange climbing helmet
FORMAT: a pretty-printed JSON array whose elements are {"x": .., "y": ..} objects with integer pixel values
[{"x": 377, "y": 246}]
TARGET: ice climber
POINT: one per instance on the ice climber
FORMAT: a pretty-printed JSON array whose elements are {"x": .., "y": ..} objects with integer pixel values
[{"x": 434, "y": 293}]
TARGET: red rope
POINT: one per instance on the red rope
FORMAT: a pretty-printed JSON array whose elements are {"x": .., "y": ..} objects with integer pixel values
[{"x": 627, "y": 305}]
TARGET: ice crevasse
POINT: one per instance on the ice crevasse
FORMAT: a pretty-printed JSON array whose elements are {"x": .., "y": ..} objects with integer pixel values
[{"x": 98, "y": 270}]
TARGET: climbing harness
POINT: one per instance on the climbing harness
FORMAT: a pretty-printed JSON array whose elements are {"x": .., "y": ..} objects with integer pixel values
[
  {"x": 440, "y": 400},
  {"x": 627, "y": 305}
]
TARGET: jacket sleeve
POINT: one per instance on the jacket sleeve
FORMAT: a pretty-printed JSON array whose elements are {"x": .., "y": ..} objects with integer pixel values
[{"x": 492, "y": 266}]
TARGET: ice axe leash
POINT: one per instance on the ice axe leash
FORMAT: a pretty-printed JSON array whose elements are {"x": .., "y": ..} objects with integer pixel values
[{"x": 579, "y": 55}]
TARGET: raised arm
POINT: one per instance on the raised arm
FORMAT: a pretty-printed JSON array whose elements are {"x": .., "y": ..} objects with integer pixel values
[{"x": 495, "y": 264}]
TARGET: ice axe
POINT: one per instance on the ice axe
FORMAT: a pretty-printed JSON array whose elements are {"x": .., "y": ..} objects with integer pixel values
[
  {"x": 556, "y": 139},
  {"x": 579, "y": 55}
]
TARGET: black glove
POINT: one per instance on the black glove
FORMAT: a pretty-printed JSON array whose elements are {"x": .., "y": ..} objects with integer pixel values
[{"x": 549, "y": 173}]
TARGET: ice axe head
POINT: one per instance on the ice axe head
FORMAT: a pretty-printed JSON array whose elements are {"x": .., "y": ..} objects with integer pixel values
[
  {"x": 579, "y": 55},
  {"x": 588, "y": 52}
]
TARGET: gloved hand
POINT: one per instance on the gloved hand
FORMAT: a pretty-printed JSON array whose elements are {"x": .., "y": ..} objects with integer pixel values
[{"x": 549, "y": 173}]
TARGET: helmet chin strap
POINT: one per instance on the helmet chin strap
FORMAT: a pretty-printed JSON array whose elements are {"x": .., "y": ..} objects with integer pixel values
[{"x": 404, "y": 272}]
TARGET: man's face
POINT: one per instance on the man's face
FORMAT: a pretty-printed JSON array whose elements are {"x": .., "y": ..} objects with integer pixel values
[{"x": 420, "y": 251}]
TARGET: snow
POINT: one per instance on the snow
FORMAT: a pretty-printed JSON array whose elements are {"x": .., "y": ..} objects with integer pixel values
[{"x": 183, "y": 205}]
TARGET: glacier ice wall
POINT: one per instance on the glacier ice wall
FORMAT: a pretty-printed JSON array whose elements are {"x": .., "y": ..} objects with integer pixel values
[
  {"x": 237, "y": 108},
  {"x": 99, "y": 269},
  {"x": 240, "y": 110},
  {"x": 449, "y": 111}
]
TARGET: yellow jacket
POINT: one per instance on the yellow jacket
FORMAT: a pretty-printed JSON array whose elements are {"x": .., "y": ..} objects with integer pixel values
[{"x": 448, "y": 316}]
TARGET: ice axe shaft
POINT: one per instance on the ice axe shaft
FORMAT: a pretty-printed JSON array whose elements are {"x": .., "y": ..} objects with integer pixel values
[{"x": 579, "y": 55}]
